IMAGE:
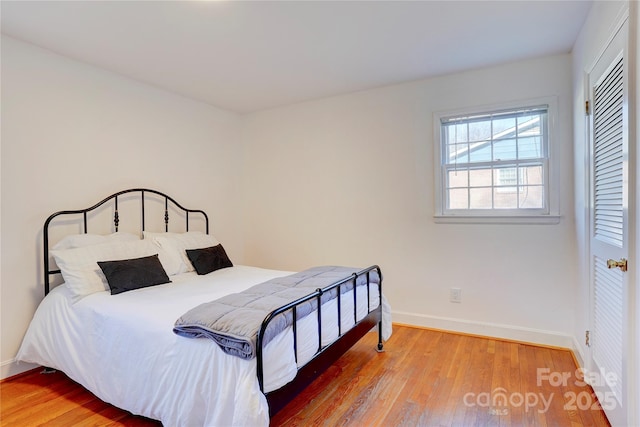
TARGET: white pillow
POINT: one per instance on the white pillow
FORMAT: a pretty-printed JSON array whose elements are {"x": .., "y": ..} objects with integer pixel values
[
  {"x": 173, "y": 248},
  {"x": 79, "y": 266},
  {"x": 82, "y": 240}
]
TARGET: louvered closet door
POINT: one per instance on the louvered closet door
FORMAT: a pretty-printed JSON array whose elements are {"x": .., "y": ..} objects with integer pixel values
[{"x": 609, "y": 229}]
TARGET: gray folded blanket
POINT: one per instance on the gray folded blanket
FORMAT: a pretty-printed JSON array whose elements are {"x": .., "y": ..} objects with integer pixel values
[{"x": 233, "y": 321}]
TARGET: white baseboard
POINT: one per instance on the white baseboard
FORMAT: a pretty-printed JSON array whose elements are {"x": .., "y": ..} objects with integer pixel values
[
  {"x": 578, "y": 353},
  {"x": 12, "y": 367},
  {"x": 495, "y": 330}
]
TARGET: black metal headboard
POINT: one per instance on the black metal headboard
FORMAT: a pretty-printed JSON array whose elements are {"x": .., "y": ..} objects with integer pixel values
[{"x": 116, "y": 220}]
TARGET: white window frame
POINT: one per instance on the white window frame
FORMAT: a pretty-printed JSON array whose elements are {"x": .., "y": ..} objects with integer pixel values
[{"x": 548, "y": 215}]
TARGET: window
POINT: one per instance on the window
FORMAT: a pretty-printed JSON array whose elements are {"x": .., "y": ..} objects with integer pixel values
[{"x": 494, "y": 163}]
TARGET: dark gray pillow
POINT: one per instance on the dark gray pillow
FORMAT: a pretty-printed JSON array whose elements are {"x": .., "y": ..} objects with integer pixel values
[
  {"x": 206, "y": 260},
  {"x": 129, "y": 274}
]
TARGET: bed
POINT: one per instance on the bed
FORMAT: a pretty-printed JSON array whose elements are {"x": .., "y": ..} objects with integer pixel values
[{"x": 115, "y": 335}]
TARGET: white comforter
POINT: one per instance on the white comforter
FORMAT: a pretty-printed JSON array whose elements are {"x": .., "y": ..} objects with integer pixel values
[{"x": 122, "y": 348}]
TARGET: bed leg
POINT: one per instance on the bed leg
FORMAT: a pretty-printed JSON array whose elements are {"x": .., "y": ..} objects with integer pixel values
[{"x": 380, "y": 346}]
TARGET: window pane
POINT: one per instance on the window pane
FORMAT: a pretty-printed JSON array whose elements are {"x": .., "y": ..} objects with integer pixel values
[
  {"x": 480, "y": 178},
  {"x": 458, "y": 178},
  {"x": 479, "y": 131},
  {"x": 505, "y": 199},
  {"x": 504, "y": 126},
  {"x": 532, "y": 197},
  {"x": 480, "y": 152},
  {"x": 446, "y": 134},
  {"x": 531, "y": 175},
  {"x": 459, "y": 199},
  {"x": 529, "y": 125},
  {"x": 530, "y": 148},
  {"x": 458, "y": 133},
  {"x": 506, "y": 177},
  {"x": 504, "y": 149},
  {"x": 450, "y": 134},
  {"x": 480, "y": 198},
  {"x": 458, "y": 153}
]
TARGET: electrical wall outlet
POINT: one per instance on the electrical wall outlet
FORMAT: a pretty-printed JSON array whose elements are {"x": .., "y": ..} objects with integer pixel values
[{"x": 455, "y": 295}]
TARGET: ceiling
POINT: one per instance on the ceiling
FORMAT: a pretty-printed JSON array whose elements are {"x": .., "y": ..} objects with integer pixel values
[{"x": 246, "y": 56}]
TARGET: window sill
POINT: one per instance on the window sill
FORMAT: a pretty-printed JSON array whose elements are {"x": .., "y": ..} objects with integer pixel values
[{"x": 497, "y": 219}]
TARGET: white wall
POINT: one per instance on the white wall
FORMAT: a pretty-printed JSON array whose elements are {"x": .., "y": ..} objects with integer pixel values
[
  {"x": 349, "y": 180},
  {"x": 73, "y": 134}
]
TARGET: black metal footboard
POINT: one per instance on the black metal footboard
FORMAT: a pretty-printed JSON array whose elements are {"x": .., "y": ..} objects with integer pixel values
[{"x": 325, "y": 356}]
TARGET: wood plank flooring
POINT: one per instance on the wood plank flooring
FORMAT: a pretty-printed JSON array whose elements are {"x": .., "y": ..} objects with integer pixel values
[{"x": 424, "y": 378}]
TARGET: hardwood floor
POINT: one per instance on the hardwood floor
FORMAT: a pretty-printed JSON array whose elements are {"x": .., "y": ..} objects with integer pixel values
[
  {"x": 433, "y": 378},
  {"x": 36, "y": 399},
  {"x": 424, "y": 378}
]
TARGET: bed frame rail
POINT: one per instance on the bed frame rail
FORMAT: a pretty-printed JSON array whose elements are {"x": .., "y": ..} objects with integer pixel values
[
  {"x": 116, "y": 220},
  {"x": 325, "y": 356}
]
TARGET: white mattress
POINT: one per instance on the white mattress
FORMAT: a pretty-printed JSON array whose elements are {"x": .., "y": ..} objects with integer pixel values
[{"x": 123, "y": 349}]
